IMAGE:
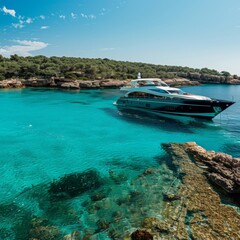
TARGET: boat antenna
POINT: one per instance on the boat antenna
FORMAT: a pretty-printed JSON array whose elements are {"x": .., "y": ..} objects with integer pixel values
[{"x": 139, "y": 75}]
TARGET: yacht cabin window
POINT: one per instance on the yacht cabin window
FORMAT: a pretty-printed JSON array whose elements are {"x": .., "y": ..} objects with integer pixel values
[
  {"x": 158, "y": 90},
  {"x": 143, "y": 95},
  {"x": 177, "y": 91}
]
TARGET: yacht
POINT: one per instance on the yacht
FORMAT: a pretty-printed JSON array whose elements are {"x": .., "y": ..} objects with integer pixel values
[{"x": 152, "y": 95}]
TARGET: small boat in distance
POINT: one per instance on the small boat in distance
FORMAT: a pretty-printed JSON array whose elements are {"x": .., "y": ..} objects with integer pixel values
[{"x": 152, "y": 95}]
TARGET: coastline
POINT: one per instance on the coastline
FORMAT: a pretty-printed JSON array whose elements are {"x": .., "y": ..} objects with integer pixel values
[{"x": 63, "y": 83}]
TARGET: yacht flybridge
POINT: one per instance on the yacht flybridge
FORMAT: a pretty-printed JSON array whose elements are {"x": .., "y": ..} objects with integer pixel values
[{"x": 155, "y": 96}]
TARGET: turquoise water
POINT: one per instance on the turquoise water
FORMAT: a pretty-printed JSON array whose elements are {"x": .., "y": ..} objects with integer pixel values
[{"x": 45, "y": 134}]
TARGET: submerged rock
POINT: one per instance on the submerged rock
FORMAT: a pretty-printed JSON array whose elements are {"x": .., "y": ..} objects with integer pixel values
[
  {"x": 41, "y": 231},
  {"x": 75, "y": 184},
  {"x": 156, "y": 224},
  {"x": 73, "y": 236},
  {"x": 141, "y": 235},
  {"x": 98, "y": 196},
  {"x": 118, "y": 178},
  {"x": 102, "y": 225},
  {"x": 170, "y": 197},
  {"x": 149, "y": 171}
]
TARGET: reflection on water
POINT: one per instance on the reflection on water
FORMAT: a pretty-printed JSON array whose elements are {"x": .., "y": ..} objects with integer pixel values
[
  {"x": 81, "y": 102},
  {"x": 174, "y": 123}
]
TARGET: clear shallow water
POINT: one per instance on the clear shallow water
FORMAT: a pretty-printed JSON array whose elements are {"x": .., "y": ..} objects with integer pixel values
[{"x": 45, "y": 134}]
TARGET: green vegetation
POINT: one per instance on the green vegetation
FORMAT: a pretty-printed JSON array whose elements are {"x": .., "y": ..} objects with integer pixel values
[{"x": 84, "y": 68}]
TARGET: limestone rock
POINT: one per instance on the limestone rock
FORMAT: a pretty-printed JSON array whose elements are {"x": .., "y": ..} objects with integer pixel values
[
  {"x": 200, "y": 213},
  {"x": 37, "y": 82},
  {"x": 180, "y": 82},
  {"x": 223, "y": 169},
  {"x": 209, "y": 78},
  {"x": 12, "y": 83},
  {"x": 70, "y": 85},
  {"x": 86, "y": 84},
  {"x": 112, "y": 84}
]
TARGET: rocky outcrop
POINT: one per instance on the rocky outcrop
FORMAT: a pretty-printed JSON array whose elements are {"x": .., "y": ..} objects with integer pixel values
[
  {"x": 223, "y": 169},
  {"x": 112, "y": 83},
  {"x": 177, "y": 82},
  {"x": 88, "y": 84},
  {"x": 70, "y": 85},
  {"x": 62, "y": 83},
  {"x": 74, "y": 184},
  {"x": 12, "y": 83},
  {"x": 232, "y": 80},
  {"x": 37, "y": 82},
  {"x": 65, "y": 83},
  {"x": 208, "y": 78},
  {"x": 199, "y": 212}
]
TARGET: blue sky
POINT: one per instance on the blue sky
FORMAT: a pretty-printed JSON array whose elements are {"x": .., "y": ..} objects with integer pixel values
[{"x": 194, "y": 33}]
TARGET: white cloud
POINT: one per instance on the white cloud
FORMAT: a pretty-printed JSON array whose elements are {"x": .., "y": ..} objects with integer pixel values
[
  {"x": 103, "y": 11},
  {"x": 22, "y": 48},
  {"x": 84, "y": 15},
  {"x": 18, "y": 25},
  {"x": 91, "y": 16},
  {"x": 22, "y": 22},
  {"x": 44, "y": 27},
  {"x": 12, "y": 12},
  {"x": 62, "y": 17},
  {"x": 29, "y": 20},
  {"x": 73, "y": 15},
  {"x": 42, "y": 17}
]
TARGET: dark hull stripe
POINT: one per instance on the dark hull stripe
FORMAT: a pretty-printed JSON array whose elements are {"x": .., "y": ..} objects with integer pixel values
[
  {"x": 175, "y": 103},
  {"x": 201, "y": 115}
]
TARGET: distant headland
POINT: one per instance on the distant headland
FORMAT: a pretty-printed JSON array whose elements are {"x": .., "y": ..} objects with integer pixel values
[{"x": 86, "y": 73}]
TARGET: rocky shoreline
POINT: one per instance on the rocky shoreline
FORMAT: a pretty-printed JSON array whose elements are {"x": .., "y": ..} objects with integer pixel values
[{"x": 62, "y": 83}]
